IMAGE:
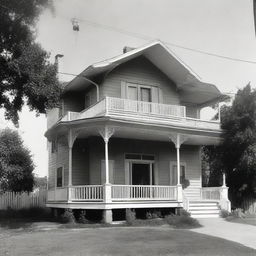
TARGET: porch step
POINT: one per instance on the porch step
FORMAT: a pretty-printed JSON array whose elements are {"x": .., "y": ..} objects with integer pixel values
[{"x": 204, "y": 209}]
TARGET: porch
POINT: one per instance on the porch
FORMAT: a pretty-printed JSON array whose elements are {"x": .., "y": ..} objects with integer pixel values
[
  {"x": 133, "y": 196},
  {"x": 127, "y": 166}
]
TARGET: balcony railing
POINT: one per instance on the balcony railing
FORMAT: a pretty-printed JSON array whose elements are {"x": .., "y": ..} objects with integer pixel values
[
  {"x": 144, "y": 108},
  {"x": 140, "y": 109}
]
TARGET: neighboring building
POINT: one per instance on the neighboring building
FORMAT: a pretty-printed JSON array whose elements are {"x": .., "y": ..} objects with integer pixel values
[{"x": 132, "y": 137}]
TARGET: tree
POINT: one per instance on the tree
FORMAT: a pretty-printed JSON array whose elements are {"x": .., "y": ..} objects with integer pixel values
[
  {"x": 40, "y": 182},
  {"x": 236, "y": 156},
  {"x": 26, "y": 75},
  {"x": 16, "y": 165}
]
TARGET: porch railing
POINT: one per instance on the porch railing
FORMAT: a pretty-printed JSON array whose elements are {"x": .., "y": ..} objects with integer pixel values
[
  {"x": 211, "y": 193},
  {"x": 143, "y": 192},
  {"x": 86, "y": 193}
]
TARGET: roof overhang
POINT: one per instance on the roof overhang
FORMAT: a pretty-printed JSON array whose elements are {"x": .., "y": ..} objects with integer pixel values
[{"x": 187, "y": 81}]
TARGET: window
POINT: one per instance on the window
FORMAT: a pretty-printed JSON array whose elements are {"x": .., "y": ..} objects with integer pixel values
[
  {"x": 145, "y": 94},
  {"x": 139, "y": 157},
  {"x": 54, "y": 146},
  {"x": 139, "y": 92},
  {"x": 59, "y": 177}
]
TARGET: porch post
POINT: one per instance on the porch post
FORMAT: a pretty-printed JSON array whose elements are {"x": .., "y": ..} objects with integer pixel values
[
  {"x": 106, "y": 134},
  {"x": 178, "y": 159},
  {"x": 224, "y": 201},
  {"x": 178, "y": 139},
  {"x": 71, "y": 139}
]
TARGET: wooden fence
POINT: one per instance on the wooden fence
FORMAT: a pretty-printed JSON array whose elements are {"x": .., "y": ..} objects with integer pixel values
[{"x": 22, "y": 200}]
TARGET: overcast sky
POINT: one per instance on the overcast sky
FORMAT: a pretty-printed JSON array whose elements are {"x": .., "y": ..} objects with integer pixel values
[{"x": 223, "y": 27}]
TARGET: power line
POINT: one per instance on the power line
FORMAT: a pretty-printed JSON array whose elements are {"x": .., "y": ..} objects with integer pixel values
[{"x": 146, "y": 37}]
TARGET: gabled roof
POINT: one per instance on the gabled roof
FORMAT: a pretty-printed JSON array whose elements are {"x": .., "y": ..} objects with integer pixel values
[{"x": 187, "y": 81}]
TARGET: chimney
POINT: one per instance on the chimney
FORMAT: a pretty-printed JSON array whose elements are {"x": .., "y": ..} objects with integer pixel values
[{"x": 127, "y": 49}]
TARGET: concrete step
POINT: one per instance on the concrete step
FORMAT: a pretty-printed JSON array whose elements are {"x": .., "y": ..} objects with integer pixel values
[
  {"x": 199, "y": 216},
  {"x": 205, "y": 211},
  {"x": 203, "y": 207}
]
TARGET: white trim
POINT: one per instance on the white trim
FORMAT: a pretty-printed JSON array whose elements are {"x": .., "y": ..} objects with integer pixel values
[{"x": 134, "y": 161}]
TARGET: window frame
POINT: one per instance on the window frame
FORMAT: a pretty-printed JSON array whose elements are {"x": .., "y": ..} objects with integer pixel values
[{"x": 62, "y": 177}]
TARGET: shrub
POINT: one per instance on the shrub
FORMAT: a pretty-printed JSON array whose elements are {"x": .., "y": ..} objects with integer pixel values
[
  {"x": 224, "y": 213},
  {"x": 153, "y": 215},
  {"x": 130, "y": 216},
  {"x": 182, "y": 221},
  {"x": 183, "y": 212},
  {"x": 238, "y": 213},
  {"x": 82, "y": 217},
  {"x": 68, "y": 217},
  {"x": 34, "y": 213}
]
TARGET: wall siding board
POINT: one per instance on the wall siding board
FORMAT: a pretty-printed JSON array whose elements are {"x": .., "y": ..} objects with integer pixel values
[
  {"x": 163, "y": 152},
  {"x": 80, "y": 163},
  {"x": 141, "y": 71}
]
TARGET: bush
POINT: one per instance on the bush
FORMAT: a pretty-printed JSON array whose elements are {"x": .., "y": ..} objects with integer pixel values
[
  {"x": 182, "y": 221},
  {"x": 68, "y": 217},
  {"x": 82, "y": 217},
  {"x": 238, "y": 213},
  {"x": 224, "y": 213},
  {"x": 34, "y": 213},
  {"x": 183, "y": 212},
  {"x": 130, "y": 216},
  {"x": 153, "y": 215}
]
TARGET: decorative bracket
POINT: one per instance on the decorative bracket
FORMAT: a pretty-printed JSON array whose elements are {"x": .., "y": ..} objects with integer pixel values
[
  {"x": 72, "y": 135},
  {"x": 178, "y": 139},
  {"x": 106, "y": 133}
]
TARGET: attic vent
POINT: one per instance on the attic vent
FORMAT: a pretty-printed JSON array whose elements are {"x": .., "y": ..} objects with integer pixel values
[{"x": 127, "y": 49}]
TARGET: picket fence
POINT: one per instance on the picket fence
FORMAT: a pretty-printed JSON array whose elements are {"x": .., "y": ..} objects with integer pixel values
[{"x": 22, "y": 200}]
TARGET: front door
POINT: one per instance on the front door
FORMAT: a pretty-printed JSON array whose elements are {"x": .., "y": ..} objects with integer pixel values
[{"x": 141, "y": 173}]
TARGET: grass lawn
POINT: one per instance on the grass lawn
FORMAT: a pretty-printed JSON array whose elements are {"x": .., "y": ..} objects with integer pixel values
[
  {"x": 114, "y": 241},
  {"x": 249, "y": 219}
]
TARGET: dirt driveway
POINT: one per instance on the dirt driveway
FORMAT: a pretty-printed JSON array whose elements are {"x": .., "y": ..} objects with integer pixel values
[{"x": 115, "y": 241}]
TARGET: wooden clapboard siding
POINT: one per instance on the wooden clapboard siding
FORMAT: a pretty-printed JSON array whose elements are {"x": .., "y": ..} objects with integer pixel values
[
  {"x": 88, "y": 156},
  {"x": 141, "y": 71},
  {"x": 80, "y": 163},
  {"x": 164, "y": 154},
  {"x": 51, "y": 166},
  {"x": 62, "y": 157},
  {"x": 96, "y": 154}
]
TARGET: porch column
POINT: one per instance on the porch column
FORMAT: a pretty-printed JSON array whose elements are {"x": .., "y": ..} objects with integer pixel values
[
  {"x": 224, "y": 201},
  {"x": 178, "y": 140},
  {"x": 106, "y": 134},
  {"x": 71, "y": 139}
]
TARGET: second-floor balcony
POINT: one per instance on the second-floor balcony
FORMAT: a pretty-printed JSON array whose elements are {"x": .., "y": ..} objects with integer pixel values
[{"x": 143, "y": 111}]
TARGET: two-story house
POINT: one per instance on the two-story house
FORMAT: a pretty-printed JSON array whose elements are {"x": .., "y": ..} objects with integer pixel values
[{"x": 129, "y": 135}]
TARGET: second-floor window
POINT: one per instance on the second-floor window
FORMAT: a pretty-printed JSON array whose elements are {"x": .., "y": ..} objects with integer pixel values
[{"x": 139, "y": 92}]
